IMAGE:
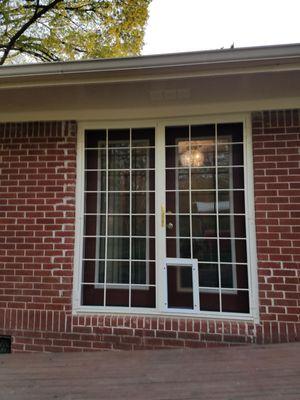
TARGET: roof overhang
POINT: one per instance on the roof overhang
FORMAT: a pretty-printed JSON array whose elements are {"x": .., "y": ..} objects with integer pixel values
[
  {"x": 159, "y": 86},
  {"x": 155, "y": 67}
]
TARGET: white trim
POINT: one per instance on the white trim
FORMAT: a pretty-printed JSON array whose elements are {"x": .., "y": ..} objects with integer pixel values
[
  {"x": 160, "y": 219},
  {"x": 148, "y": 312},
  {"x": 159, "y": 125},
  {"x": 193, "y": 263},
  {"x": 250, "y": 220},
  {"x": 79, "y": 218}
]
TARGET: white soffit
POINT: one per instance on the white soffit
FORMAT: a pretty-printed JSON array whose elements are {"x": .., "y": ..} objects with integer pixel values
[{"x": 155, "y": 67}]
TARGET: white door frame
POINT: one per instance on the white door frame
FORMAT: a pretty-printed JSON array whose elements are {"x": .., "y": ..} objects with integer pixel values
[{"x": 159, "y": 125}]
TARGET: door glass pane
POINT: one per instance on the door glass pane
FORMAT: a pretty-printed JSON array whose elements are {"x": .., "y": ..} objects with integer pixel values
[
  {"x": 119, "y": 255},
  {"x": 118, "y": 137},
  {"x": 95, "y": 181},
  {"x": 205, "y": 202},
  {"x": 204, "y": 226},
  {"x": 118, "y": 225},
  {"x": 119, "y": 180},
  {"x": 95, "y": 203},
  {"x": 118, "y": 159},
  {"x": 117, "y": 272},
  {"x": 95, "y": 138},
  {"x": 208, "y": 275},
  {"x": 180, "y": 287},
  {"x": 203, "y": 178}
]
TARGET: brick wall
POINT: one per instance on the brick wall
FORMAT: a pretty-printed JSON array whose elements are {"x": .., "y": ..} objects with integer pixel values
[
  {"x": 276, "y": 149},
  {"x": 37, "y": 187},
  {"x": 37, "y": 205}
]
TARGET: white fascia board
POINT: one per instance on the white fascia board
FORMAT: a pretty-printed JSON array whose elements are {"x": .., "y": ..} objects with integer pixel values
[{"x": 213, "y": 62}]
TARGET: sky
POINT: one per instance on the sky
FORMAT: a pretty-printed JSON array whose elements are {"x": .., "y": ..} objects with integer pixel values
[{"x": 193, "y": 25}]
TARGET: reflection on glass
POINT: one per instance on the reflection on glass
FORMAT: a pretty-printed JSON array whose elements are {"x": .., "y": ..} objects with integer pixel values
[
  {"x": 203, "y": 178},
  {"x": 92, "y": 296},
  {"x": 95, "y": 181},
  {"x": 234, "y": 276},
  {"x": 118, "y": 203},
  {"x": 142, "y": 158},
  {"x": 118, "y": 137},
  {"x": 118, "y": 180},
  {"x": 209, "y": 301},
  {"x": 232, "y": 226},
  {"x": 202, "y": 153},
  {"x": 237, "y": 301},
  {"x": 176, "y": 133},
  {"x": 95, "y": 138},
  {"x": 143, "y": 298},
  {"x": 93, "y": 271},
  {"x": 117, "y": 297},
  {"x": 117, "y": 272},
  {"x": 95, "y": 159},
  {"x": 142, "y": 180},
  {"x": 204, "y": 133},
  {"x": 208, "y": 275},
  {"x": 143, "y": 225},
  {"x": 204, "y": 226},
  {"x": 205, "y": 249},
  {"x": 180, "y": 248},
  {"x": 94, "y": 225},
  {"x": 141, "y": 137},
  {"x": 182, "y": 178},
  {"x": 228, "y": 275},
  {"x": 94, "y": 248},
  {"x": 231, "y": 202},
  {"x": 109, "y": 216},
  {"x": 184, "y": 248},
  {"x": 138, "y": 248},
  {"x": 184, "y": 225},
  {"x": 139, "y": 272},
  {"x": 118, "y": 248},
  {"x": 230, "y": 132},
  {"x": 118, "y": 159},
  {"x": 204, "y": 202},
  {"x": 180, "y": 284},
  {"x": 95, "y": 203},
  {"x": 233, "y": 250},
  {"x": 230, "y": 154},
  {"x": 231, "y": 178},
  {"x": 118, "y": 225},
  {"x": 142, "y": 203}
]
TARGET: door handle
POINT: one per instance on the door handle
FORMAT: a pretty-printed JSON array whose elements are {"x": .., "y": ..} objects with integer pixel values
[{"x": 163, "y": 216}]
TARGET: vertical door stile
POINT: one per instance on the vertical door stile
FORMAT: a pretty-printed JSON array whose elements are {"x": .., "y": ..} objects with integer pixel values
[{"x": 159, "y": 206}]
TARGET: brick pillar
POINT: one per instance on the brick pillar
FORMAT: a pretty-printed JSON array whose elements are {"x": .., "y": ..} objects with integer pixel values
[
  {"x": 37, "y": 211},
  {"x": 276, "y": 151}
]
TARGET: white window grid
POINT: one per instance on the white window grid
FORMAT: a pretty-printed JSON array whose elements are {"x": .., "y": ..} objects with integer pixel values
[
  {"x": 214, "y": 168},
  {"x": 105, "y": 285},
  {"x": 249, "y": 212}
]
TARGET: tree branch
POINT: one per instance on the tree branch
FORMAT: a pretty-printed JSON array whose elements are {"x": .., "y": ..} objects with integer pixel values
[{"x": 37, "y": 14}]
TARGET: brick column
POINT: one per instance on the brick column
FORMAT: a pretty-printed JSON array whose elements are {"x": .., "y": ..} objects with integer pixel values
[{"x": 276, "y": 152}]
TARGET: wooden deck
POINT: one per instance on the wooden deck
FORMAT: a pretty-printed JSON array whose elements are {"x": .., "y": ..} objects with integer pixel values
[{"x": 254, "y": 372}]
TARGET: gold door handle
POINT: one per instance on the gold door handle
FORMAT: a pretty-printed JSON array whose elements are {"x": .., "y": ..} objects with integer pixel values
[{"x": 163, "y": 216}]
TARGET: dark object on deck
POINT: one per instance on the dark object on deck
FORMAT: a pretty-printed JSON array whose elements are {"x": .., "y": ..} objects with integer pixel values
[{"x": 5, "y": 344}]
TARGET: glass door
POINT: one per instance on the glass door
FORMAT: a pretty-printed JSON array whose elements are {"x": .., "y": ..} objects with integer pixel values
[
  {"x": 205, "y": 216},
  {"x": 119, "y": 218}
]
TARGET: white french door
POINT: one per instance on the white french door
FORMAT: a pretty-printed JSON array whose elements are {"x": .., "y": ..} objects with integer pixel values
[
  {"x": 201, "y": 193},
  {"x": 164, "y": 218}
]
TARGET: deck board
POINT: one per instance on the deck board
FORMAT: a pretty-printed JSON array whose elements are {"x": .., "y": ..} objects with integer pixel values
[{"x": 246, "y": 372}]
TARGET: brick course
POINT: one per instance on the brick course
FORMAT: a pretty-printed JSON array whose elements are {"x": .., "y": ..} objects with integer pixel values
[{"x": 37, "y": 211}]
